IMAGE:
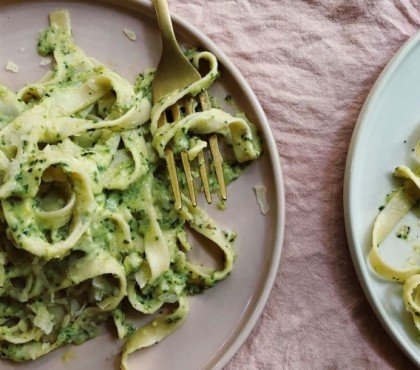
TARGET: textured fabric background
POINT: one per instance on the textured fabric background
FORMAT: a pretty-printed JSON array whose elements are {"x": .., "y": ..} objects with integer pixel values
[{"x": 311, "y": 64}]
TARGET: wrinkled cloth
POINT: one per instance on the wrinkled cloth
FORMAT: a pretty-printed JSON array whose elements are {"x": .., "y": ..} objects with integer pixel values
[{"x": 311, "y": 64}]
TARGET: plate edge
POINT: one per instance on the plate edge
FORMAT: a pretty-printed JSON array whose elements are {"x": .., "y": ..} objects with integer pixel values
[{"x": 358, "y": 260}]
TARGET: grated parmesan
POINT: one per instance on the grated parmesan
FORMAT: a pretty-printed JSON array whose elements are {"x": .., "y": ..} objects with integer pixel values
[{"x": 45, "y": 61}]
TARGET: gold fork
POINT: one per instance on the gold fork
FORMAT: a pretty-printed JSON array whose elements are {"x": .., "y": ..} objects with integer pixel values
[{"x": 176, "y": 72}]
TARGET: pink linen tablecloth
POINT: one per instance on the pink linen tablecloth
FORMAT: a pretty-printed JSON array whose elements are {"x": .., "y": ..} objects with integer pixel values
[{"x": 311, "y": 64}]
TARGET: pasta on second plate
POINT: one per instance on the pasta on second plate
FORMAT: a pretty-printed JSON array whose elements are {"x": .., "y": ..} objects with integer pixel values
[{"x": 399, "y": 202}]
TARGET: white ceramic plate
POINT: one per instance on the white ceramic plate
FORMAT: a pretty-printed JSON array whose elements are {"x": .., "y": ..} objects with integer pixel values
[
  {"x": 222, "y": 317},
  {"x": 387, "y": 131}
]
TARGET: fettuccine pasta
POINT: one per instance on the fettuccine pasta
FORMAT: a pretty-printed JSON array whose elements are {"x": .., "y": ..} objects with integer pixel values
[
  {"x": 399, "y": 202},
  {"x": 87, "y": 221}
]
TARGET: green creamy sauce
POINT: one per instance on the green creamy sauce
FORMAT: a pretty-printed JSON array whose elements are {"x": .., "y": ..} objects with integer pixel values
[
  {"x": 47, "y": 41},
  {"x": 181, "y": 141},
  {"x": 143, "y": 83},
  {"x": 118, "y": 222}
]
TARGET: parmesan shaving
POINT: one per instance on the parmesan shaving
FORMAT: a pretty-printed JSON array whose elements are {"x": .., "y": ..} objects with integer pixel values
[
  {"x": 260, "y": 192},
  {"x": 130, "y": 34},
  {"x": 12, "y": 67}
]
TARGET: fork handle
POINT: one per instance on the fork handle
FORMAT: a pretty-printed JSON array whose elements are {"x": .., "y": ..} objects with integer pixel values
[{"x": 165, "y": 25}]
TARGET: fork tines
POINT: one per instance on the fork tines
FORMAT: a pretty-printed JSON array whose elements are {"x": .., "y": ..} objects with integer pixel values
[{"x": 187, "y": 104}]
